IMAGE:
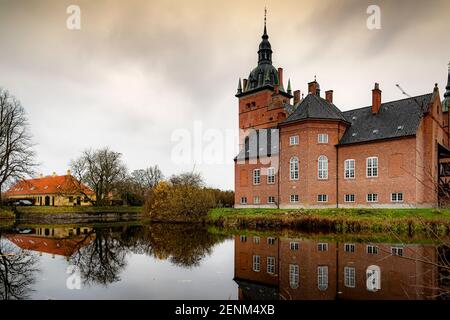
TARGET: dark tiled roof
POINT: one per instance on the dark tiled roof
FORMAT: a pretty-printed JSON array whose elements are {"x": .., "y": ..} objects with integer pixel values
[
  {"x": 314, "y": 107},
  {"x": 394, "y": 120},
  {"x": 260, "y": 143}
]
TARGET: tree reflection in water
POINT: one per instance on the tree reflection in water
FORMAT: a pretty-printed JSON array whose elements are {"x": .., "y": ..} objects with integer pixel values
[{"x": 18, "y": 269}]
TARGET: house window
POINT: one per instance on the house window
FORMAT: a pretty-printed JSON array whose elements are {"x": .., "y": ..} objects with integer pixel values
[
  {"x": 271, "y": 241},
  {"x": 373, "y": 278},
  {"x": 322, "y": 278},
  {"x": 293, "y": 140},
  {"x": 322, "y": 138},
  {"x": 349, "y": 198},
  {"x": 294, "y": 246},
  {"x": 293, "y": 276},
  {"x": 256, "y": 240},
  {"x": 323, "y": 168},
  {"x": 256, "y": 176},
  {"x": 397, "y": 197},
  {"x": 70, "y": 199},
  {"x": 271, "y": 265},
  {"x": 244, "y": 200},
  {"x": 372, "y": 249},
  {"x": 270, "y": 175},
  {"x": 256, "y": 200},
  {"x": 397, "y": 251},
  {"x": 294, "y": 198},
  {"x": 243, "y": 238},
  {"x": 322, "y": 246},
  {"x": 372, "y": 197},
  {"x": 293, "y": 167},
  {"x": 349, "y": 277},
  {"x": 322, "y": 198},
  {"x": 256, "y": 263},
  {"x": 372, "y": 167},
  {"x": 349, "y": 168},
  {"x": 271, "y": 199},
  {"x": 349, "y": 247}
]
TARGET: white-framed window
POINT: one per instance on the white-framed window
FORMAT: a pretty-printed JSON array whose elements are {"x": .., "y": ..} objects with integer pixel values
[
  {"x": 270, "y": 199},
  {"x": 349, "y": 198},
  {"x": 349, "y": 169},
  {"x": 244, "y": 200},
  {"x": 397, "y": 197},
  {"x": 294, "y": 198},
  {"x": 294, "y": 246},
  {"x": 372, "y": 197},
  {"x": 372, "y": 167},
  {"x": 271, "y": 265},
  {"x": 270, "y": 240},
  {"x": 256, "y": 176},
  {"x": 256, "y": 200},
  {"x": 243, "y": 238},
  {"x": 349, "y": 247},
  {"x": 322, "y": 168},
  {"x": 256, "y": 263},
  {"x": 373, "y": 278},
  {"x": 270, "y": 175},
  {"x": 294, "y": 275},
  {"x": 349, "y": 277},
  {"x": 322, "y": 198},
  {"x": 397, "y": 251},
  {"x": 256, "y": 240},
  {"x": 322, "y": 246},
  {"x": 322, "y": 278},
  {"x": 293, "y": 140},
  {"x": 293, "y": 168},
  {"x": 372, "y": 249},
  {"x": 322, "y": 138}
]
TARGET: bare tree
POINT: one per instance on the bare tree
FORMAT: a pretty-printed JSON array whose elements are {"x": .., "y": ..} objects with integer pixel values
[
  {"x": 147, "y": 178},
  {"x": 16, "y": 153},
  {"x": 101, "y": 170}
]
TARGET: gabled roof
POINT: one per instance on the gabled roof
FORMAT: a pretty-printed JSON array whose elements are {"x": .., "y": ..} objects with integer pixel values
[
  {"x": 395, "y": 119},
  {"x": 315, "y": 107},
  {"x": 48, "y": 185}
]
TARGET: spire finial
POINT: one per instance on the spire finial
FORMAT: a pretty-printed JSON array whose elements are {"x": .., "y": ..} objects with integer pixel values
[
  {"x": 315, "y": 78},
  {"x": 265, "y": 20}
]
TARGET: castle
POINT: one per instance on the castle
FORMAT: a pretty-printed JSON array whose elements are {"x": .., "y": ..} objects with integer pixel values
[{"x": 303, "y": 152}]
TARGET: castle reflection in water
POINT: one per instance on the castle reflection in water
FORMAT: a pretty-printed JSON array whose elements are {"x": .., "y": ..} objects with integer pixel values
[{"x": 305, "y": 269}]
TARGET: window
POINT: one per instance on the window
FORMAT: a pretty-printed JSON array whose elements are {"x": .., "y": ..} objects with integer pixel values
[
  {"x": 294, "y": 198},
  {"x": 256, "y": 240},
  {"x": 70, "y": 199},
  {"x": 322, "y": 138},
  {"x": 322, "y": 198},
  {"x": 372, "y": 167},
  {"x": 271, "y": 199},
  {"x": 256, "y": 176},
  {"x": 294, "y": 246},
  {"x": 323, "y": 168},
  {"x": 349, "y": 169},
  {"x": 256, "y": 263},
  {"x": 322, "y": 246},
  {"x": 373, "y": 278},
  {"x": 349, "y": 247},
  {"x": 243, "y": 238},
  {"x": 256, "y": 200},
  {"x": 372, "y": 197},
  {"x": 372, "y": 249},
  {"x": 270, "y": 175},
  {"x": 293, "y": 276},
  {"x": 349, "y": 277},
  {"x": 244, "y": 200},
  {"x": 293, "y": 140},
  {"x": 293, "y": 167},
  {"x": 397, "y": 197},
  {"x": 349, "y": 198},
  {"x": 271, "y": 241},
  {"x": 322, "y": 278},
  {"x": 271, "y": 265},
  {"x": 397, "y": 251}
]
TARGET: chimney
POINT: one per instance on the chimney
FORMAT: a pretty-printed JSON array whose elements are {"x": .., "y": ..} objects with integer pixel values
[
  {"x": 54, "y": 174},
  {"x": 296, "y": 97},
  {"x": 244, "y": 85},
  {"x": 376, "y": 99},
  {"x": 280, "y": 77},
  {"x": 329, "y": 96},
  {"x": 277, "y": 88},
  {"x": 41, "y": 175},
  {"x": 314, "y": 88},
  {"x": 69, "y": 173}
]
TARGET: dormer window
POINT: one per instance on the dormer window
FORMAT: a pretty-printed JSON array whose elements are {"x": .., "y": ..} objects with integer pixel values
[
  {"x": 375, "y": 131},
  {"x": 400, "y": 128},
  {"x": 354, "y": 134},
  {"x": 353, "y": 118}
]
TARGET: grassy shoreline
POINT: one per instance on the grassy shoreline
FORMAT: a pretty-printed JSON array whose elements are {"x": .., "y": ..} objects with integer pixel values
[
  {"x": 78, "y": 209},
  {"x": 6, "y": 214}
]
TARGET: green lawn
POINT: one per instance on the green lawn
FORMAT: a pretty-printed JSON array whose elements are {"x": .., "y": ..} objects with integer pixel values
[
  {"x": 6, "y": 214},
  {"x": 78, "y": 209}
]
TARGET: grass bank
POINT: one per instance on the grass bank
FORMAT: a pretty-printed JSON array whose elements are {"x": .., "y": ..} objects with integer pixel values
[
  {"x": 6, "y": 214},
  {"x": 38, "y": 210},
  {"x": 408, "y": 221}
]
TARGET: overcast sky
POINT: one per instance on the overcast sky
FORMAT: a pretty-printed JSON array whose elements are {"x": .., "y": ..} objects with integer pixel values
[{"x": 139, "y": 70}]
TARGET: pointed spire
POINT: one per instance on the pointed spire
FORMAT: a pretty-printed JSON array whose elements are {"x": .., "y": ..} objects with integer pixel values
[
  {"x": 265, "y": 49},
  {"x": 239, "y": 89},
  {"x": 265, "y": 23},
  {"x": 289, "y": 90},
  {"x": 447, "y": 92}
]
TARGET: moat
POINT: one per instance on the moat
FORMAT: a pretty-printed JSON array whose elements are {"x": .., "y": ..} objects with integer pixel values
[{"x": 182, "y": 261}]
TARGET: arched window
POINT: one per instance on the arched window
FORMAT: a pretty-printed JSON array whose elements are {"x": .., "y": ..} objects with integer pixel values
[
  {"x": 373, "y": 279},
  {"x": 293, "y": 168},
  {"x": 293, "y": 276},
  {"x": 323, "y": 167}
]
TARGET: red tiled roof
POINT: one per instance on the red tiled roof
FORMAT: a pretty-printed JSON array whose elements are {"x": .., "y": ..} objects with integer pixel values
[{"x": 48, "y": 185}]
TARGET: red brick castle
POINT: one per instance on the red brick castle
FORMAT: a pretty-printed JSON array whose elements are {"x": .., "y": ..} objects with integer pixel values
[{"x": 303, "y": 151}]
